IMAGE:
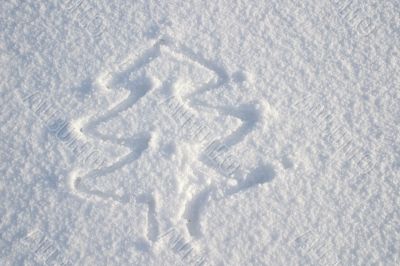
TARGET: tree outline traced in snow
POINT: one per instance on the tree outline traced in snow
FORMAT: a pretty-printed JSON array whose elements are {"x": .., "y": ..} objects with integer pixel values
[{"x": 248, "y": 114}]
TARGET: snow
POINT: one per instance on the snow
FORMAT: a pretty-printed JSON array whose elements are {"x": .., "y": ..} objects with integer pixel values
[{"x": 199, "y": 132}]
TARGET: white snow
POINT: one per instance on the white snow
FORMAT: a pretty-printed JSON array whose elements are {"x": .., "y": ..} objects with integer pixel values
[{"x": 199, "y": 132}]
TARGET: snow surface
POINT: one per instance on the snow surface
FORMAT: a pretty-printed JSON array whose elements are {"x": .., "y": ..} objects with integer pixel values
[{"x": 199, "y": 132}]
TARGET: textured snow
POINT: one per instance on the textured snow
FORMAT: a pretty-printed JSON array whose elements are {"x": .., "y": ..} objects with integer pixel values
[{"x": 199, "y": 132}]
